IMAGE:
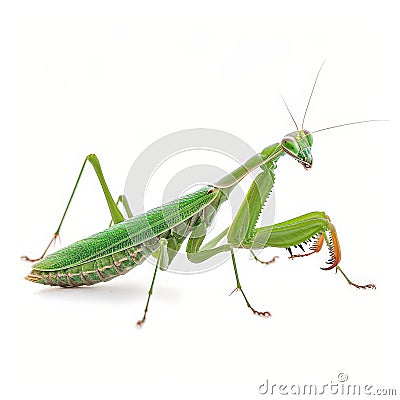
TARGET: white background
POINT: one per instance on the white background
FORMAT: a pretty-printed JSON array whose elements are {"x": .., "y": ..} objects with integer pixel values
[{"x": 112, "y": 77}]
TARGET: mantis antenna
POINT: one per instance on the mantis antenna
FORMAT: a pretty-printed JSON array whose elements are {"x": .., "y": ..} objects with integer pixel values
[
  {"x": 352, "y": 123},
  {"x": 312, "y": 91},
  {"x": 287, "y": 108}
]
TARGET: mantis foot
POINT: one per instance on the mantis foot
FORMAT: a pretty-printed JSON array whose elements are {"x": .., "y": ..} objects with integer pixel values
[
  {"x": 265, "y": 314},
  {"x": 140, "y": 323},
  {"x": 273, "y": 259},
  {"x": 52, "y": 241},
  {"x": 369, "y": 286},
  {"x": 255, "y": 312}
]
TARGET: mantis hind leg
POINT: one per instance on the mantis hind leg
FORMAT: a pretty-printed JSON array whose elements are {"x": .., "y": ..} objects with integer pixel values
[
  {"x": 124, "y": 201},
  {"x": 312, "y": 230},
  {"x": 116, "y": 214}
]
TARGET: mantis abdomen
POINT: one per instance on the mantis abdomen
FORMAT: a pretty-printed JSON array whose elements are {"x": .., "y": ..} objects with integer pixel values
[{"x": 98, "y": 270}]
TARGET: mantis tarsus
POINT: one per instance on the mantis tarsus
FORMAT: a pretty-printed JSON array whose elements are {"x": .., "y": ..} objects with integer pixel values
[{"x": 161, "y": 232}]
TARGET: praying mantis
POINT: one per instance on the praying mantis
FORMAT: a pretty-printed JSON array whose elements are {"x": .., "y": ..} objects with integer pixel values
[{"x": 161, "y": 231}]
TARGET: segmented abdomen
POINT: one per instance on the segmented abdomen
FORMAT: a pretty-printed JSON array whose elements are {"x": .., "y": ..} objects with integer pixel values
[{"x": 99, "y": 270}]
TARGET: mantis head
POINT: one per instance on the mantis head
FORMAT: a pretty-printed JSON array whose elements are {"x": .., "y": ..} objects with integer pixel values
[{"x": 298, "y": 145}]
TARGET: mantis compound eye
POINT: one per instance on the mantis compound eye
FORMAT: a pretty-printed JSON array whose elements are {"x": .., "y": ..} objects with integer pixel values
[
  {"x": 309, "y": 138},
  {"x": 290, "y": 146}
]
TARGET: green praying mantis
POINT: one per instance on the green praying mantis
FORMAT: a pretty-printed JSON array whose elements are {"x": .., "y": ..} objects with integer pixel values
[{"x": 161, "y": 231}]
